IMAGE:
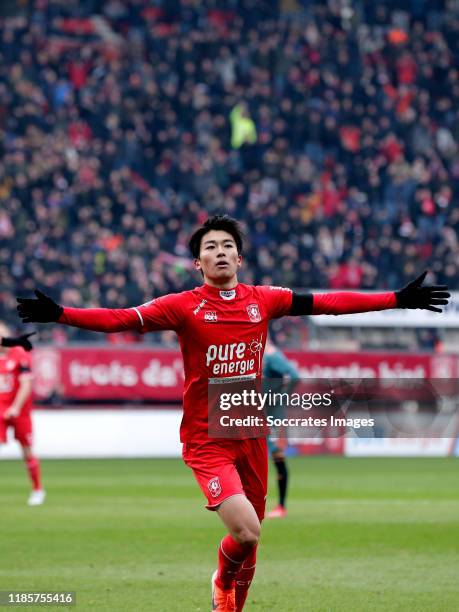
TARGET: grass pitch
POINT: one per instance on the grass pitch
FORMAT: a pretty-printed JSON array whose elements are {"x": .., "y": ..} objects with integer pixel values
[{"x": 132, "y": 535}]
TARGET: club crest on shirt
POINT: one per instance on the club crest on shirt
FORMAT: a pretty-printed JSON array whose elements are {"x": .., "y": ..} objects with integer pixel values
[
  {"x": 214, "y": 486},
  {"x": 254, "y": 313},
  {"x": 210, "y": 316}
]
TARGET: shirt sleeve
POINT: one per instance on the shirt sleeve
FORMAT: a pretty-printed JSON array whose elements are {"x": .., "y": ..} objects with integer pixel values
[
  {"x": 166, "y": 312},
  {"x": 108, "y": 320},
  {"x": 162, "y": 313},
  {"x": 278, "y": 300},
  {"x": 23, "y": 359},
  {"x": 350, "y": 303}
]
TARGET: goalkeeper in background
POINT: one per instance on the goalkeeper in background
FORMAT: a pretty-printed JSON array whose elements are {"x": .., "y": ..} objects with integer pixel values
[{"x": 279, "y": 375}]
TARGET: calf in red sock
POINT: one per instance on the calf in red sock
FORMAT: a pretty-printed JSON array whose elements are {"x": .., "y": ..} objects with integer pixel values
[{"x": 244, "y": 579}]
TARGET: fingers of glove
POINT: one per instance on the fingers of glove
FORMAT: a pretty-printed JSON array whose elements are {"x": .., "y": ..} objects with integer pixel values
[
  {"x": 431, "y": 292},
  {"x": 24, "y": 311},
  {"x": 440, "y": 294},
  {"x": 26, "y": 301},
  {"x": 437, "y": 287},
  {"x": 29, "y": 304},
  {"x": 26, "y": 336},
  {"x": 28, "y": 312},
  {"x": 27, "y": 319},
  {"x": 438, "y": 301},
  {"x": 432, "y": 308}
]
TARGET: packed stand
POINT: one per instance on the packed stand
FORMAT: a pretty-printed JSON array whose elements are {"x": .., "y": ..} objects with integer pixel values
[{"x": 332, "y": 132}]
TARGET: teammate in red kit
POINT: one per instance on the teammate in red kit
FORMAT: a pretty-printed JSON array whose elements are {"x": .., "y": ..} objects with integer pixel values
[
  {"x": 16, "y": 403},
  {"x": 222, "y": 328}
]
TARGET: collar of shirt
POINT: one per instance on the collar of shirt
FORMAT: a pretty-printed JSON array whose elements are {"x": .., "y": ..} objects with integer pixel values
[{"x": 226, "y": 295}]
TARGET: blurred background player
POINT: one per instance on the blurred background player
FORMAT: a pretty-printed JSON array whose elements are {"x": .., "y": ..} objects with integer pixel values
[
  {"x": 279, "y": 375},
  {"x": 16, "y": 403}
]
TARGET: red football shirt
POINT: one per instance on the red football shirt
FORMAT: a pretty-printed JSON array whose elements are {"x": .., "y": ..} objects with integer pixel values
[
  {"x": 221, "y": 334},
  {"x": 13, "y": 362}
]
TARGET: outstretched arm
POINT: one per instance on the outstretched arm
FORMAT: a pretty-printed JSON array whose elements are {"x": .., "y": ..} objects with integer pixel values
[
  {"x": 44, "y": 310},
  {"x": 414, "y": 295}
]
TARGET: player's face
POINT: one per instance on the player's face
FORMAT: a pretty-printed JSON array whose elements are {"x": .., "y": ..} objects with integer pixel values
[{"x": 218, "y": 258}]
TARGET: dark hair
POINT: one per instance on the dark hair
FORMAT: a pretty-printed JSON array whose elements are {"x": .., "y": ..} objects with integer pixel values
[{"x": 224, "y": 223}]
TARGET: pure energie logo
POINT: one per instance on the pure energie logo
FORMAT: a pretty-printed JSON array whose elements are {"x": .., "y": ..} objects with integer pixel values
[{"x": 233, "y": 358}]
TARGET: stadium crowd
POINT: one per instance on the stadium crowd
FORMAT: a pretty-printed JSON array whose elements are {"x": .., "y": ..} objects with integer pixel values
[{"x": 330, "y": 129}]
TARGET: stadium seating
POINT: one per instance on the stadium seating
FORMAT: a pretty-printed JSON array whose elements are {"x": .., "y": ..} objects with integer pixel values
[{"x": 117, "y": 136}]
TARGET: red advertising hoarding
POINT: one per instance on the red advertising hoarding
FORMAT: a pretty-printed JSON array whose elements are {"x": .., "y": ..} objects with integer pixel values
[{"x": 152, "y": 374}]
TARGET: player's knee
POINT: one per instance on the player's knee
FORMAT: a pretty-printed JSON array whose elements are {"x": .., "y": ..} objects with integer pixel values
[{"x": 247, "y": 536}]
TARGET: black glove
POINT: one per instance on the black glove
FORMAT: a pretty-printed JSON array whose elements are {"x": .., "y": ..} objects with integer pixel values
[
  {"x": 19, "y": 341},
  {"x": 427, "y": 298},
  {"x": 41, "y": 310}
]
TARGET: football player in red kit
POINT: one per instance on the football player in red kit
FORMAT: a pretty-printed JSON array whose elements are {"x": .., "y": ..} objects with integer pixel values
[
  {"x": 222, "y": 327},
  {"x": 16, "y": 403}
]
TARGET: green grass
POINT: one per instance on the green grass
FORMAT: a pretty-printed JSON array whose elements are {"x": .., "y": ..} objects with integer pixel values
[{"x": 362, "y": 534}]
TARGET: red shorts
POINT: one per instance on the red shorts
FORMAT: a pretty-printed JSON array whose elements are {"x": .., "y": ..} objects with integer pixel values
[
  {"x": 224, "y": 468},
  {"x": 22, "y": 426}
]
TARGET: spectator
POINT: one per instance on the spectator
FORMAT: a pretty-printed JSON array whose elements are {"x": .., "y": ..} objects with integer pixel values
[{"x": 332, "y": 133}]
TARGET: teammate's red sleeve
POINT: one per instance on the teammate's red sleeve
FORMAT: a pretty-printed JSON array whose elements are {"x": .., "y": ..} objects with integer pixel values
[
  {"x": 24, "y": 359},
  {"x": 347, "y": 303},
  {"x": 101, "y": 319}
]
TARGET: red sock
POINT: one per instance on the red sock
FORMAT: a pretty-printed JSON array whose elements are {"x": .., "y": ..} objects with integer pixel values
[
  {"x": 231, "y": 555},
  {"x": 244, "y": 579},
  {"x": 33, "y": 467}
]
